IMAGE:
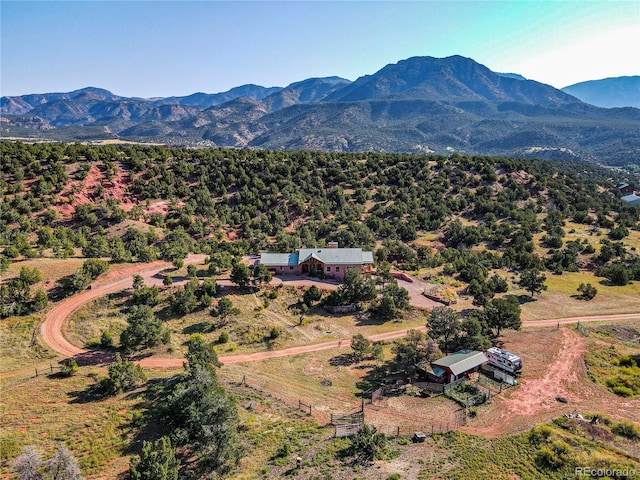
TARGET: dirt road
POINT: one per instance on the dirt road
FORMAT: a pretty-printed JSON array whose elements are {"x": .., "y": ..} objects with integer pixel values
[
  {"x": 109, "y": 283},
  {"x": 115, "y": 281}
]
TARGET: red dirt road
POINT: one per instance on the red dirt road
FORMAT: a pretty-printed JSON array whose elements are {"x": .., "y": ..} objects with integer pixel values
[
  {"x": 115, "y": 281},
  {"x": 111, "y": 282}
]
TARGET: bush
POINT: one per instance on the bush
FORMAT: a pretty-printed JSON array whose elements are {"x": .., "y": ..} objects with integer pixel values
[
  {"x": 223, "y": 338},
  {"x": 627, "y": 429},
  {"x": 69, "y": 368},
  {"x": 622, "y": 391},
  {"x": 106, "y": 339}
]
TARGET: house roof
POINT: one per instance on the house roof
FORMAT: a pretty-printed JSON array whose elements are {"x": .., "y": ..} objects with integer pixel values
[
  {"x": 279, "y": 259},
  {"x": 336, "y": 256},
  {"x": 462, "y": 361},
  {"x": 630, "y": 198}
]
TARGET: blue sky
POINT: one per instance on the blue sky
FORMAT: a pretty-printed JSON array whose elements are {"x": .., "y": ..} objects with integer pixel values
[{"x": 161, "y": 48}]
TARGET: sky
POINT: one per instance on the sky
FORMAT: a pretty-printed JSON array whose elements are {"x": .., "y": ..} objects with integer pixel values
[{"x": 164, "y": 48}]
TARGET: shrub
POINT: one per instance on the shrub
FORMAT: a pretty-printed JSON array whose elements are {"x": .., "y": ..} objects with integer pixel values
[
  {"x": 69, "y": 368},
  {"x": 627, "y": 429},
  {"x": 106, "y": 339},
  {"x": 223, "y": 337},
  {"x": 622, "y": 391}
]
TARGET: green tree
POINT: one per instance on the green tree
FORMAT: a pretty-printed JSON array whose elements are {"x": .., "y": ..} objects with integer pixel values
[
  {"x": 501, "y": 313},
  {"x": 30, "y": 275},
  {"x": 138, "y": 282},
  {"x": 192, "y": 270},
  {"x": 40, "y": 300},
  {"x": 184, "y": 300},
  {"x": 387, "y": 308},
  {"x": 157, "y": 461},
  {"x": 533, "y": 281},
  {"x": 203, "y": 417},
  {"x": 587, "y": 291},
  {"x": 240, "y": 275},
  {"x": 123, "y": 375},
  {"x": 69, "y": 368},
  {"x": 261, "y": 274},
  {"x": 224, "y": 309},
  {"x": 414, "y": 349},
  {"x": 444, "y": 325},
  {"x": 144, "y": 329},
  {"x": 368, "y": 445},
  {"x": 311, "y": 295},
  {"x": 361, "y": 347},
  {"x": 94, "y": 267},
  {"x": 356, "y": 287},
  {"x": 199, "y": 352}
]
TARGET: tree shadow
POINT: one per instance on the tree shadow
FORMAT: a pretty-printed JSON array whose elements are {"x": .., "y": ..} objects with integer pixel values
[
  {"x": 202, "y": 327},
  {"x": 372, "y": 380},
  {"x": 522, "y": 299},
  {"x": 342, "y": 360}
]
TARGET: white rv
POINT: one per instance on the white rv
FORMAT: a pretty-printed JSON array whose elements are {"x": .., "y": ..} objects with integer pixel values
[{"x": 504, "y": 360}]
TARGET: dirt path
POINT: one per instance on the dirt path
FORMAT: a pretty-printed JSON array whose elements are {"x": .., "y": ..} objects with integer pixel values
[
  {"x": 118, "y": 280},
  {"x": 109, "y": 283},
  {"x": 562, "y": 375}
]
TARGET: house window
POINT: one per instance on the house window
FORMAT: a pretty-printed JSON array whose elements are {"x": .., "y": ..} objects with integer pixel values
[
  {"x": 282, "y": 269},
  {"x": 337, "y": 269},
  {"x": 290, "y": 267},
  {"x": 328, "y": 269}
]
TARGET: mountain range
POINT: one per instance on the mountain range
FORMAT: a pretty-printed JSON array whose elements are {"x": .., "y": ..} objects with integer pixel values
[{"x": 421, "y": 104}]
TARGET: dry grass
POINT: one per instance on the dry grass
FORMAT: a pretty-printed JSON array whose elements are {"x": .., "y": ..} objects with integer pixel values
[
  {"x": 20, "y": 346},
  {"x": 560, "y": 298},
  {"x": 52, "y": 269},
  {"x": 46, "y": 410}
]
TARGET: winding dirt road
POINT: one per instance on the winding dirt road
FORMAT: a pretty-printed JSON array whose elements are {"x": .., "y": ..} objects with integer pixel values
[{"x": 115, "y": 281}]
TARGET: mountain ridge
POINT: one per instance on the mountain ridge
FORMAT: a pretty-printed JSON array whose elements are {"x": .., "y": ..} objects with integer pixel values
[{"x": 415, "y": 105}]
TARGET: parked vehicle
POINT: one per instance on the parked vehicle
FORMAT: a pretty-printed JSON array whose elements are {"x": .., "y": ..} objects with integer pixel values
[{"x": 504, "y": 360}]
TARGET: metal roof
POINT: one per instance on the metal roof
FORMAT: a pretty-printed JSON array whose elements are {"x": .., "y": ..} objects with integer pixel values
[
  {"x": 336, "y": 256},
  {"x": 631, "y": 200},
  {"x": 462, "y": 361},
  {"x": 279, "y": 259}
]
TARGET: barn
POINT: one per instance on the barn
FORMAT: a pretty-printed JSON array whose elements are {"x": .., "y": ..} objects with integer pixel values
[
  {"x": 631, "y": 200},
  {"x": 456, "y": 365}
]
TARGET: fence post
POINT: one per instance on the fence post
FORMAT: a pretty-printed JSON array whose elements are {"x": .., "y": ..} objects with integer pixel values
[
  {"x": 244, "y": 380},
  {"x": 398, "y": 434},
  {"x": 432, "y": 429},
  {"x": 36, "y": 372},
  {"x": 51, "y": 365}
]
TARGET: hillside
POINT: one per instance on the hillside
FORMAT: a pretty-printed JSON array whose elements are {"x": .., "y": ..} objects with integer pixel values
[
  {"x": 421, "y": 104},
  {"x": 139, "y": 251},
  {"x": 608, "y": 92}
]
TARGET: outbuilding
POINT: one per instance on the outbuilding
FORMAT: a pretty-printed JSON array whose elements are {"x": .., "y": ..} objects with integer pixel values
[
  {"x": 631, "y": 200},
  {"x": 456, "y": 365}
]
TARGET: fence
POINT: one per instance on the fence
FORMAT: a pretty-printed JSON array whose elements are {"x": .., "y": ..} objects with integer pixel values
[
  {"x": 347, "y": 418},
  {"x": 347, "y": 430},
  {"x": 409, "y": 430},
  {"x": 47, "y": 371}
]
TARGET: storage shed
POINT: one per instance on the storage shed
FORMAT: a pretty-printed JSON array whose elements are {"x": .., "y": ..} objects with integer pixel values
[
  {"x": 631, "y": 200},
  {"x": 459, "y": 363}
]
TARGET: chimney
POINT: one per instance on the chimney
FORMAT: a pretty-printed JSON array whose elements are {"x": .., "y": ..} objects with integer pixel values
[{"x": 333, "y": 244}]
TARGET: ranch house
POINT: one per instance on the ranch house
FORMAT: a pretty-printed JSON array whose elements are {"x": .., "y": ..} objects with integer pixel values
[{"x": 330, "y": 262}]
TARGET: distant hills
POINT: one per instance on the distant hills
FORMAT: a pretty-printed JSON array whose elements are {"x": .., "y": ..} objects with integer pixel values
[
  {"x": 608, "y": 92},
  {"x": 421, "y": 104}
]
